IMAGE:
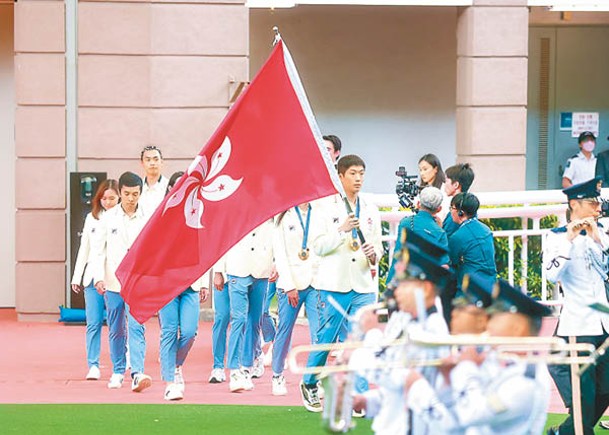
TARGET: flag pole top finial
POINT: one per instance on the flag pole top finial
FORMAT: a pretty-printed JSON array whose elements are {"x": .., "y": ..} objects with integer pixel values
[{"x": 277, "y": 35}]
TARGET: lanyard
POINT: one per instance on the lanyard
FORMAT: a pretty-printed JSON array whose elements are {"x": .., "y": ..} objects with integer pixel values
[
  {"x": 305, "y": 228},
  {"x": 354, "y": 231}
]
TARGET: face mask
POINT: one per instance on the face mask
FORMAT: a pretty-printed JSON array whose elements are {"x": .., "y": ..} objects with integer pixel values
[{"x": 588, "y": 146}]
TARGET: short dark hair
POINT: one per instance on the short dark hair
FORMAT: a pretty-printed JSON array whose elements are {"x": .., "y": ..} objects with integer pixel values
[
  {"x": 468, "y": 203},
  {"x": 347, "y": 161},
  {"x": 461, "y": 173},
  {"x": 150, "y": 148},
  {"x": 585, "y": 135},
  {"x": 336, "y": 143},
  {"x": 129, "y": 179}
]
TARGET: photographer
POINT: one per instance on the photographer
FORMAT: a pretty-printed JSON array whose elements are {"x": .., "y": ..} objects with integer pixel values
[
  {"x": 423, "y": 223},
  {"x": 575, "y": 256}
]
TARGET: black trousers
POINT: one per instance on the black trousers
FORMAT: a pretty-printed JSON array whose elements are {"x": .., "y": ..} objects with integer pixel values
[{"x": 594, "y": 386}]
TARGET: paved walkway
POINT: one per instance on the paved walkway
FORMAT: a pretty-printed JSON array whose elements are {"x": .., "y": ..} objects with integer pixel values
[{"x": 45, "y": 363}]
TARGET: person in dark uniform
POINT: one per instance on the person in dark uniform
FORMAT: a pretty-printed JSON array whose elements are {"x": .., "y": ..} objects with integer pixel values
[
  {"x": 602, "y": 167},
  {"x": 424, "y": 224},
  {"x": 471, "y": 247},
  {"x": 459, "y": 178},
  {"x": 575, "y": 255}
]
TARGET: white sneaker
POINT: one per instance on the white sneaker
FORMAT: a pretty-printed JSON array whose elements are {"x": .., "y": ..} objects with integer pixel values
[
  {"x": 258, "y": 368},
  {"x": 279, "y": 388},
  {"x": 116, "y": 381},
  {"x": 268, "y": 356},
  {"x": 217, "y": 376},
  {"x": 94, "y": 374},
  {"x": 140, "y": 382},
  {"x": 174, "y": 391},
  {"x": 248, "y": 385},
  {"x": 178, "y": 378},
  {"x": 237, "y": 381}
]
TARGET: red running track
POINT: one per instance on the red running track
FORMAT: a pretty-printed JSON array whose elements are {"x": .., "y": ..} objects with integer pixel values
[{"x": 46, "y": 363}]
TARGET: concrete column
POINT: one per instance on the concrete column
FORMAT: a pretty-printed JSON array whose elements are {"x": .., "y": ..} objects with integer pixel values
[
  {"x": 492, "y": 55},
  {"x": 148, "y": 73},
  {"x": 40, "y": 170}
]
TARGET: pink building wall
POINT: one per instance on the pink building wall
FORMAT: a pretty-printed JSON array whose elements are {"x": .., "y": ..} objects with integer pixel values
[{"x": 148, "y": 73}]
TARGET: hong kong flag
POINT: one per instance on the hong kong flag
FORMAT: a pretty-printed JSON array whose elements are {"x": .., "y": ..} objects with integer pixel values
[{"x": 266, "y": 156}]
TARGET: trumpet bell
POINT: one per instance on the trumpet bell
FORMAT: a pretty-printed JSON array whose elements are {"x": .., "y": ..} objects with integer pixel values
[{"x": 338, "y": 402}]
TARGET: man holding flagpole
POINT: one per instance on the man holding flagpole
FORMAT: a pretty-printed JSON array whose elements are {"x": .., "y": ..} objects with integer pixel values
[{"x": 265, "y": 157}]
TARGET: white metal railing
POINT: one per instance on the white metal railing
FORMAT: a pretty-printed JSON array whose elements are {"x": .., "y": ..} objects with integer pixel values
[{"x": 529, "y": 205}]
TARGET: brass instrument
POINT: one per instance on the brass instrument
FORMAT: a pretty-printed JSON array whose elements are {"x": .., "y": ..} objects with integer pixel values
[
  {"x": 551, "y": 350},
  {"x": 338, "y": 410},
  {"x": 337, "y": 380}
]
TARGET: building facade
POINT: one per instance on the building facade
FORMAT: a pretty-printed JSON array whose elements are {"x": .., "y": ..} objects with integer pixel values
[{"x": 85, "y": 85}]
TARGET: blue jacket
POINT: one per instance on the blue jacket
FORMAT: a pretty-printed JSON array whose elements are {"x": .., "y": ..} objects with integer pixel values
[
  {"x": 424, "y": 224},
  {"x": 449, "y": 225},
  {"x": 471, "y": 249}
]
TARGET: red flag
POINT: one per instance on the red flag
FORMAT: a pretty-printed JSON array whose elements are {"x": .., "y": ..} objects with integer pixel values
[{"x": 266, "y": 156}]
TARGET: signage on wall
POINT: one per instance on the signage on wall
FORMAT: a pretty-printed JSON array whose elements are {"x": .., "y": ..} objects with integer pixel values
[
  {"x": 585, "y": 121},
  {"x": 566, "y": 121}
]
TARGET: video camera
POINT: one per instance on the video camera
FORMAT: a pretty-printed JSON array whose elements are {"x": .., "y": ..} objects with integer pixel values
[{"x": 406, "y": 188}]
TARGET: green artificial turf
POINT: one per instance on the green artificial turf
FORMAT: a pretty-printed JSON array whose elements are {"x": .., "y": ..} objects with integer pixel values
[
  {"x": 165, "y": 419},
  {"x": 172, "y": 418}
]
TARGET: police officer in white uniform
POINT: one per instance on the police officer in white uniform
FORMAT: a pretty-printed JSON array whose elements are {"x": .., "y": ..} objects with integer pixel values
[
  {"x": 576, "y": 257},
  {"x": 581, "y": 166}
]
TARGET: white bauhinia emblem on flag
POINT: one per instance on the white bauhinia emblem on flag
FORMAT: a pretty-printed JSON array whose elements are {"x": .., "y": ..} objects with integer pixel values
[{"x": 201, "y": 185}]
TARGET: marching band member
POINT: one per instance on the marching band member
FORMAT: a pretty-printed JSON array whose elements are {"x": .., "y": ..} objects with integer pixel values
[
  {"x": 421, "y": 274},
  {"x": 490, "y": 396},
  {"x": 296, "y": 265},
  {"x": 347, "y": 269},
  {"x": 575, "y": 256}
]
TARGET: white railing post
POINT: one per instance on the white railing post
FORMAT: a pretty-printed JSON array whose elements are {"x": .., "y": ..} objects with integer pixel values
[{"x": 524, "y": 255}]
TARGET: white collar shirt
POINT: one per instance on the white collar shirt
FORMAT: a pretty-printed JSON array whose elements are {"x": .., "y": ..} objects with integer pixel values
[{"x": 579, "y": 168}]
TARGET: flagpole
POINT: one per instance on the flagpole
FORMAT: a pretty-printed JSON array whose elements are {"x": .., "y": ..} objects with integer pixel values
[
  {"x": 277, "y": 35},
  {"x": 342, "y": 193}
]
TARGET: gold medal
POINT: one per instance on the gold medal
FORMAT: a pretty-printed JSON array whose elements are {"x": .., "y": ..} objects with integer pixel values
[
  {"x": 303, "y": 254},
  {"x": 354, "y": 245}
]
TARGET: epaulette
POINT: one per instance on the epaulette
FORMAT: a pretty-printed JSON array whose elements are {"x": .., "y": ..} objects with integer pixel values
[{"x": 559, "y": 230}]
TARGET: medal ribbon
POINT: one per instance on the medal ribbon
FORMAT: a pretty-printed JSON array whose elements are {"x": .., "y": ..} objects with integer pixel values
[
  {"x": 305, "y": 228},
  {"x": 354, "y": 231}
]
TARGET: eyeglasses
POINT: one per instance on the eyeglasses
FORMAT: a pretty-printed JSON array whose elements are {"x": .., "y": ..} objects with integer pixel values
[{"x": 592, "y": 201}]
